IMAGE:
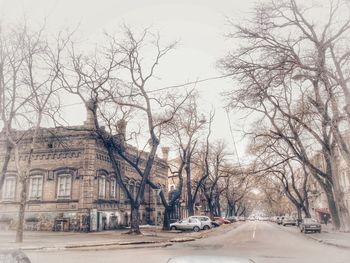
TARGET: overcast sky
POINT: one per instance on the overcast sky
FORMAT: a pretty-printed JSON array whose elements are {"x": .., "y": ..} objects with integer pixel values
[{"x": 199, "y": 25}]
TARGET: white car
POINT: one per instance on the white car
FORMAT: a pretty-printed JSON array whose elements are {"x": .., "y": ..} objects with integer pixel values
[
  {"x": 187, "y": 224},
  {"x": 204, "y": 220}
]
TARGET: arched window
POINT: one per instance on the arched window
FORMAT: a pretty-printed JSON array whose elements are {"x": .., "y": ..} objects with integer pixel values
[
  {"x": 137, "y": 188},
  {"x": 102, "y": 186},
  {"x": 64, "y": 186},
  {"x": 36, "y": 186},
  {"x": 9, "y": 188},
  {"x": 132, "y": 188},
  {"x": 113, "y": 188}
]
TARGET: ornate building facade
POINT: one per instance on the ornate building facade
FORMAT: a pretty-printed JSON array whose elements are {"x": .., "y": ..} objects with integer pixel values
[
  {"x": 72, "y": 185},
  {"x": 318, "y": 198}
]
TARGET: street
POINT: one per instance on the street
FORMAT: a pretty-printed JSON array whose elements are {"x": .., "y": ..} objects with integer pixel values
[{"x": 260, "y": 241}]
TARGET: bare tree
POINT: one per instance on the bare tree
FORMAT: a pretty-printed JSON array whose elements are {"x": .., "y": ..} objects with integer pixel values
[
  {"x": 115, "y": 81},
  {"x": 184, "y": 131},
  {"x": 214, "y": 185},
  {"x": 281, "y": 47},
  {"x": 28, "y": 91},
  {"x": 201, "y": 162},
  {"x": 237, "y": 185},
  {"x": 275, "y": 161}
]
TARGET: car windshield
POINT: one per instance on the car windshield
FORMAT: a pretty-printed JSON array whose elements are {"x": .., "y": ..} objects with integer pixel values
[{"x": 310, "y": 220}]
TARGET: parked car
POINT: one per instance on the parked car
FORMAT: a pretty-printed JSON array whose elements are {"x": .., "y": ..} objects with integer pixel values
[
  {"x": 215, "y": 223},
  {"x": 232, "y": 219},
  {"x": 222, "y": 220},
  {"x": 226, "y": 221},
  {"x": 187, "y": 224},
  {"x": 289, "y": 221},
  {"x": 204, "y": 220},
  {"x": 310, "y": 224},
  {"x": 242, "y": 218}
]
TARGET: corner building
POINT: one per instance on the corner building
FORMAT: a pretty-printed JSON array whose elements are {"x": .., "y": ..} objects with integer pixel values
[{"x": 72, "y": 185}]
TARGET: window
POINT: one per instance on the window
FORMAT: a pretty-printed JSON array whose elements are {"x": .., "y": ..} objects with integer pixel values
[
  {"x": 345, "y": 180},
  {"x": 9, "y": 189},
  {"x": 137, "y": 188},
  {"x": 112, "y": 188},
  {"x": 35, "y": 187},
  {"x": 102, "y": 187},
  {"x": 64, "y": 185},
  {"x": 132, "y": 189}
]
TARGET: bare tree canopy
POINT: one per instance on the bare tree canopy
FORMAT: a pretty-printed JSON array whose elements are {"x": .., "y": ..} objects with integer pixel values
[{"x": 289, "y": 76}]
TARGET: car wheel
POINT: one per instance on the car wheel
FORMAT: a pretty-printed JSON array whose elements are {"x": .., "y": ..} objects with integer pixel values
[
  {"x": 301, "y": 230},
  {"x": 206, "y": 227},
  {"x": 173, "y": 228},
  {"x": 196, "y": 229}
]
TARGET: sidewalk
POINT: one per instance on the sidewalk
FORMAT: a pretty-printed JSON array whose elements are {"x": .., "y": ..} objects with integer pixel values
[
  {"x": 327, "y": 236},
  {"x": 151, "y": 237},
  {"x": 331, "y": 237}
]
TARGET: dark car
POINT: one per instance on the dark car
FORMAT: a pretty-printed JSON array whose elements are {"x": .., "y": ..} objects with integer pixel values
[{"x": 310, "y": 224}]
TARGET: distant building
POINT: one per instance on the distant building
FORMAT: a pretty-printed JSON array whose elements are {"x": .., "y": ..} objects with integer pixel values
[
  {"x": 72, "y": 185},
  {"x": 318, "y": 198},
  {"x": 181, "y": 207}
]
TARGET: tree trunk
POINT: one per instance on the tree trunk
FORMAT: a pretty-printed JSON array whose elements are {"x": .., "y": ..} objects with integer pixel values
[
  {"x": 344, "y": 215},
  {"x": 332, "y": 205},
  {"x": 230, "y": 213},
  {"x": 134, "y": 220},
  {"x": 299, "y": 214},
  {"x": 190, "y": 201},
  {"x": 166, "y": 218},
  {"x": 306, "y": 211},
  {"x": 218, "y": 208},
  {"x": 21, "y": 212}
]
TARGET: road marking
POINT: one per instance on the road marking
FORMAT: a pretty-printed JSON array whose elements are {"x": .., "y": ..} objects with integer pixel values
[{"x": 254, "y": 230}]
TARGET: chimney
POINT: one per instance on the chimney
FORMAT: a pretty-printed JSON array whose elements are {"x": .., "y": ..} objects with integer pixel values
[
  {"x": 121, "y": 128},
  {"x": 91, "y": 106},
  {"x": 165, "y": 153}
]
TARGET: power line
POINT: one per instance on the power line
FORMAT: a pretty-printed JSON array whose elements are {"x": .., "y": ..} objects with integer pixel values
[
  {"x": 192, "y": 82},
  {"x": 234, "y": 142},
  {"x": 167, "y": 87}
]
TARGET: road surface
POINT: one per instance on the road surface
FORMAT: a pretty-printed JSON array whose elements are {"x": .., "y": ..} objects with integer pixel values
[{"x": 260, "y": 241}]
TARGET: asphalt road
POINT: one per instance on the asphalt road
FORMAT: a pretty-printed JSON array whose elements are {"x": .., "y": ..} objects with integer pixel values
[{"x": 260, "y": 241}]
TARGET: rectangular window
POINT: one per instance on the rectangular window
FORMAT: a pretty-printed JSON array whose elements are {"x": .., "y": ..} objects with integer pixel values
[
  {"x": 64, "y": 186},
  {"x": 112, "y": 188},
  {"x": 101, "y": 187},
  {"x": 9, "y": 189},
  {"x": 35, "y": 187}
]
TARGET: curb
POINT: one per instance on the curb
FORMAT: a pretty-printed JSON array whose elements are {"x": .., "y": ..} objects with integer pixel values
[
  {"x": 181, "y": 240},
  {"x": 115, "y": 245},
  {"x": 118, "y": 244},
  {"x": 319, "y": 240},
  {"x": 328, "y": 243}
]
